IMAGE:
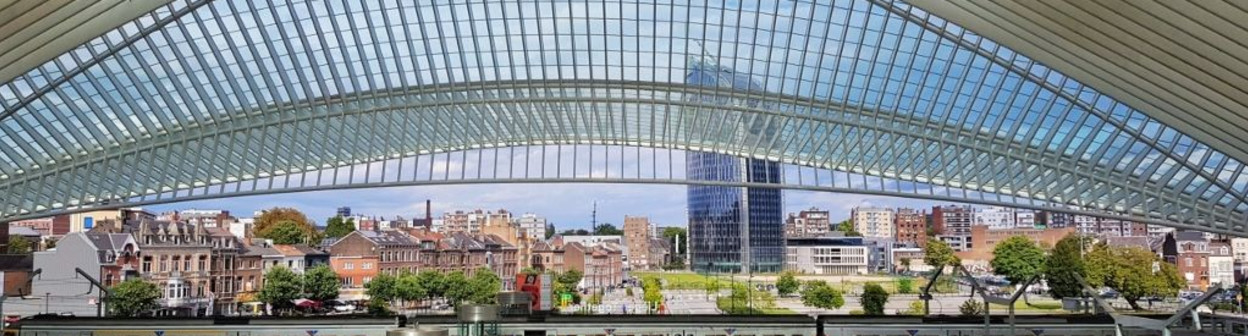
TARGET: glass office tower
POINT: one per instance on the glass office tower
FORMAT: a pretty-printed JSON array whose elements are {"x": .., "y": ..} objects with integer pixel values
[{"x": 732, "y": 229}]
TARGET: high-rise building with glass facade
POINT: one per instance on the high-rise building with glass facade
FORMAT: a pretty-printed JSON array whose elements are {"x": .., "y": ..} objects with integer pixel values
[{"x": 733, "y": 229}]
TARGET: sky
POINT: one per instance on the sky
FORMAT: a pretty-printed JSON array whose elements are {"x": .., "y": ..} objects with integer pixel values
[{"x": 567, "y": 205}]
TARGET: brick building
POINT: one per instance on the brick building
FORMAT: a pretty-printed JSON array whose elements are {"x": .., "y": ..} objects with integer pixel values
[
  {"x": 911, "y": 226},
  {"x": 1189, "y": 252},
  {"x": 984, "y": 240},
  {"x": 952, "y": 220},
  {"x": 396, "y": 251},
  {"x": 637, "y": 237}
]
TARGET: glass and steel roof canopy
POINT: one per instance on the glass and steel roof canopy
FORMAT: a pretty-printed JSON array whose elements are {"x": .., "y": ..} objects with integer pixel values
[{"x": 200, "y": 93}]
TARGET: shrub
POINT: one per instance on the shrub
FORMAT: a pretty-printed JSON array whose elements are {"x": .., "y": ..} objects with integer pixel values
[
  {"x": 873, "y": 299},
  {"x": 905, "y": 285},
  {"x": 916, "y": 308},
  {"x": 971, "y": 308},
  {"x": 628, "y": 292},
  {"x": 856, "y": 312}
]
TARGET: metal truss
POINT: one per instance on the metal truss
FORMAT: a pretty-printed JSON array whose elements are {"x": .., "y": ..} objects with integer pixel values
[{"x": 201, "y": 100}]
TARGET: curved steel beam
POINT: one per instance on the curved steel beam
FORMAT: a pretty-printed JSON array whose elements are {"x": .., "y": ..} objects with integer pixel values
[{"x": 348, "y": 105}]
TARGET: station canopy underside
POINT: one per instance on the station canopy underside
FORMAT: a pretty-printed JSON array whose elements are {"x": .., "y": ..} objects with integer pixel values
[{"x": 201, "y": 94}]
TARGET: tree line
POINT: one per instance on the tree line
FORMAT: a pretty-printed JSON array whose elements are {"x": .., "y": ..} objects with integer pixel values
[{"x": 1134, "y": 272}]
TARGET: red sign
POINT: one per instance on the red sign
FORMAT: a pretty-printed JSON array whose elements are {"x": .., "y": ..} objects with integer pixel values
[{"x": 532, "y": 284}]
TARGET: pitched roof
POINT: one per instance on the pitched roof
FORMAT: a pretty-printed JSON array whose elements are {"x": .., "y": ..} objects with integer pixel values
[
  {"x": 388, "y": 238},
  {"x": 288, "y": 250},
  {"x": 308, "y": 250},
  {"x": 256, "y": 250},
  {"x": 24, "y": 231}
]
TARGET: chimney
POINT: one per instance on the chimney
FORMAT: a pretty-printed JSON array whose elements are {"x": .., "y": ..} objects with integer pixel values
[{"x": 428, "y": 215}]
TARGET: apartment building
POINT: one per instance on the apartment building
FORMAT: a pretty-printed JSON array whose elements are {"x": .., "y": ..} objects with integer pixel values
[{"x": 873, "y": 222}]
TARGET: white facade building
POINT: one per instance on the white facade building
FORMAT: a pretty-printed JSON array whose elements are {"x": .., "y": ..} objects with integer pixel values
[
  {"x": 239, "y": 227},
  {"x": 532, "y": 226},
  {"x": 826, "y": 255},
  {"x": 996, "y": 217},
  {"x": 1239, "y": 249},
  {"x": 1221, "y": 265},
  {"x": 1025, "y": 219},
  {"x": 874, "y": 222},
  {"x": 1156, "y": 231},
  {"x": 1086, "y": 225}
]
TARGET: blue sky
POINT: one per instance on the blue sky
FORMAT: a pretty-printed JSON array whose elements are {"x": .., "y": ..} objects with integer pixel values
[{"x": 567, "y": 205}]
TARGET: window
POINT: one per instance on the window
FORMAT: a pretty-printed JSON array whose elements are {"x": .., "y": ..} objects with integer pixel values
[
  {"x": 186, "y": 264},
  {"x": 368, "y": 265},
  {"x": 367, "y": 279},
  {"x": 349, "y": 266},
  {"x": 1188, "y": 261},
  {"x": 147, "y": 264},
  {"x": 203, "y": 262}
]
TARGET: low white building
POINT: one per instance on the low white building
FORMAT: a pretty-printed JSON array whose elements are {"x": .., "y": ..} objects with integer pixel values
[
  {"x": 1221, "y": 265},
  {"x": 827, "y": 255}
]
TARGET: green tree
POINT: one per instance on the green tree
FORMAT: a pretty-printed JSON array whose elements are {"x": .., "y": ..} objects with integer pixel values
[
  {"x": 408, "y": 288},
  {"x": 19, "y": 245},
  {"x": 337, "y": 227},
  {"x": 1017, "y": 259},
  {"x": 379, "y": 307},
  {"x": 679, "y": 234},
  {"x": 845, "y": 225},
  {"x": 651, "y": 290},
  {"x": 550, "y": 230},
  {"x": 607, "y": 229},
  {"x": 49, "y": 243},
  {"x": 286, "y": 232},
  {"x": 530, "y": 271},
  {"x": 433, "y": 282},
  {"x": 938, "y": 254},
  {"x": 571, "y": 278},
  {"x": 485, "y": 286},
  {"x": 382, "y": 287},
  {"x": 457, "y": 288},
  {"x": 281, "y": 288},
  {"x": 1063, "y": 264},
  {"x": 321, "y": 283},
  {"x": 1133, "y": 272},
  {"x": 787, "y": 284},
  {"x": 905, "y": 264},
  {"x": 269, "y": 219},
  {"x": 819, "y": 295},
  {"x": 905, "y": 285},
  {"x": 577, "y": 232},
  {"x": 133, "y": 298},
  {"x": 873, "y": 299}
]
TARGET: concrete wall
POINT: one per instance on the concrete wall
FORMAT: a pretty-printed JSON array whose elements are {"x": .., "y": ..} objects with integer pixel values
[{"x": 64, "y": 289}]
